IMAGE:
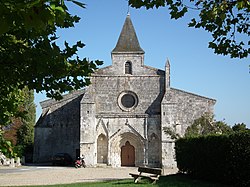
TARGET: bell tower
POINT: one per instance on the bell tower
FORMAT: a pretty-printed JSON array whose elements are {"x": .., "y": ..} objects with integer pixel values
[{"x": 127, "y": 54}]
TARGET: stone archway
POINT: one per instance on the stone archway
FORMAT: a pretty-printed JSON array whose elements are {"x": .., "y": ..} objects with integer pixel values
[
  {"x": 102, "y": 149},
  {"x": 119, "y": 141},
  {"x": 127, "y": 155}
]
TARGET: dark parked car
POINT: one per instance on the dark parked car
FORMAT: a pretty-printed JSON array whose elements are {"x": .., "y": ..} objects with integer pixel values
[{"x": 62, "y": 159}]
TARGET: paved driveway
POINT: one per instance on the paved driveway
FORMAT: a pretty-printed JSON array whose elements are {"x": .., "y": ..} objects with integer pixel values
[
  {"x": 24, "y": 176},
  {"x": 60, "y": 175}
]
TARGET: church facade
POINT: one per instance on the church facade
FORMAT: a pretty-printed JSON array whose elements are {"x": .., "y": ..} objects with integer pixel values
[{"x": 119, "y": 119}]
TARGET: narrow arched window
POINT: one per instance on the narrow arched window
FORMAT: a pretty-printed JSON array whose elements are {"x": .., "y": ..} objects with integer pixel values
[{"x": 128, "y": 67}]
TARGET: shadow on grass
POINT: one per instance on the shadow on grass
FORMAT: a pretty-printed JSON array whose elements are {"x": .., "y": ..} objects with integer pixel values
[
  {"x": 181, "y": 180},
  {"x": 176, "y": 180},
  {"x": 123, "y": 182},
  {"x": 130, "y": 182}
]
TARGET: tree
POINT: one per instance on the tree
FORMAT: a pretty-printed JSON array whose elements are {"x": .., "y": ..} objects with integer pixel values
[
  {"x": 6, "y": 146},
  {"x": 20, "y": 133},
  {"x": 10, "y": 131},
  {"x": 171, "y": 131},
  {"x": 206, "y": 125},
  {"x": 240, "y": 127},
  {"x": 226, "y": 20},
  {"x": 25, "y": 134},
  {"x": 29, "y": 55}
]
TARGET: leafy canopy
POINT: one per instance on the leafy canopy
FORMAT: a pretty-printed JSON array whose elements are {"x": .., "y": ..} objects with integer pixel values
[
  {"x": 6, "y": 147},
  {"x": 30, "y": 56},
  {"x": 206, "y": 125},
  {"x": 25, "y": 134},
  {"x": 240, "y": 127},
  {"x": 226, "y": 20}
]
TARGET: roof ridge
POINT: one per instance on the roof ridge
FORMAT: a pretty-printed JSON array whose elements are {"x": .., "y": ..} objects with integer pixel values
[{"x": 197, "y": 95}]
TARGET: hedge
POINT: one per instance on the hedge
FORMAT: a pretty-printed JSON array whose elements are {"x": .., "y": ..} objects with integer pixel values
[{"x": 219, "y": 158}]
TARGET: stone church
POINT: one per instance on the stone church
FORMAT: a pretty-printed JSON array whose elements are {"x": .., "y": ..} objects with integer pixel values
[{"x": 119, "y": 119}]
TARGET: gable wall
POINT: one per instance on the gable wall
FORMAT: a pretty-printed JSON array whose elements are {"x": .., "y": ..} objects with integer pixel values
[
  {"x": 106, "y": 117},
  {"x": 149, "y": 90},
  {"x": 58, "y": 130},
  {"x": 182, "y": 108},
  {"x": 179, "y": 110}
]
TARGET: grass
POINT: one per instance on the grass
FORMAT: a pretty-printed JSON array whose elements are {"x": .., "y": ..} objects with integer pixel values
[{"x": 165, "y": 181}]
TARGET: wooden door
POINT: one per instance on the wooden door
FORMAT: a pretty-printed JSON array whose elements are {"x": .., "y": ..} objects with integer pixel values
[{"x": 128, "y": 155}]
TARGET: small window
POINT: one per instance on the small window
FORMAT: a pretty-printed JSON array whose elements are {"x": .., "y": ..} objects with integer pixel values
[{"x": 128, "y": 68}]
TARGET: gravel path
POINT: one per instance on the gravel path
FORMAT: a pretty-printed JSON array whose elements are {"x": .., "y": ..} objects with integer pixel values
[{"x": 64, "y": 175}]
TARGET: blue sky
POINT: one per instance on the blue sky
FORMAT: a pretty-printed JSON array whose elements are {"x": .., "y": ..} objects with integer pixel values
[{"x": 194, "y": 67}]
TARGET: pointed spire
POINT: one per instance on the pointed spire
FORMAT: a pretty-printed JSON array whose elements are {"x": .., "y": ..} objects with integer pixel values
[
  {"x": 167, "y": 74},
  {"x": 128, "y": 41},
  {"x": 167, "y": 63},
  {"x": 128, "y": 13}
]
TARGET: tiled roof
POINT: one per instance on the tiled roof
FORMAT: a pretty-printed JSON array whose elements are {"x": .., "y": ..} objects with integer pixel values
[{"x": 128, "y": 41}]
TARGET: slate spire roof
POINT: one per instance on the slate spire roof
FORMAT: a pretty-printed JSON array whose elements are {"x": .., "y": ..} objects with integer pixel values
[{"x": 128, "y": 41}]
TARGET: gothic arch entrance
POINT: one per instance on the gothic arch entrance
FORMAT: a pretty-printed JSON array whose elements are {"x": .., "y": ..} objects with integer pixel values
[
  {"x": 102, "y": 149},
  {"x": 127, "y": 155}
]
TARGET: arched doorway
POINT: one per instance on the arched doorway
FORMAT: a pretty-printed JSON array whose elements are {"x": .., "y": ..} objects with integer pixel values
[
  {"x": 102, "y": 149},
  {"x": 127, "y": 155}
]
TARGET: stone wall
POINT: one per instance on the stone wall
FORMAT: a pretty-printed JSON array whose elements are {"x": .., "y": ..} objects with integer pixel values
[
  {"x": 139, "y": 125},
  {"x": 147, "y": 88},
  {"x": 57, "y": 130},
  {"x": 142, "y": 132},
  {"x": 179, "y": 110}
]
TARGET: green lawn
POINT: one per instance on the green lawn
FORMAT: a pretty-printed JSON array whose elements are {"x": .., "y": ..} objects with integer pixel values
[{"x": 165, "y": 181}]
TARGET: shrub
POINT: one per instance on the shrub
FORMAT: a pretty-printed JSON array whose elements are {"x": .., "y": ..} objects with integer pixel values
[
  {"x": 220, "y": 158},
  {"x": 240, "y": 158}
]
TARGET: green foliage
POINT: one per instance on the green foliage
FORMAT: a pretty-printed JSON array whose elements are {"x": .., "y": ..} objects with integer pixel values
[
  {"x": 240, "y": 127},
  {"x": 29, "y": 55},
  {"x": 10, "y": 103},
  {"x": 25, "y": 134},
  {"x": 20, "y": 140},
  {"x": 222, "y": 128},
  {"x": 6, "y": 146},
  {"x": 221, "y": 158},
  {"x": 227, "y": 21},
  {"x": 206, "y": 125},
  {"x": 177, "y": 180},
  {"x": 171, "y": 132},
  {"x": 239, "y": 158},
  {"x": 198, "y": 156}
]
